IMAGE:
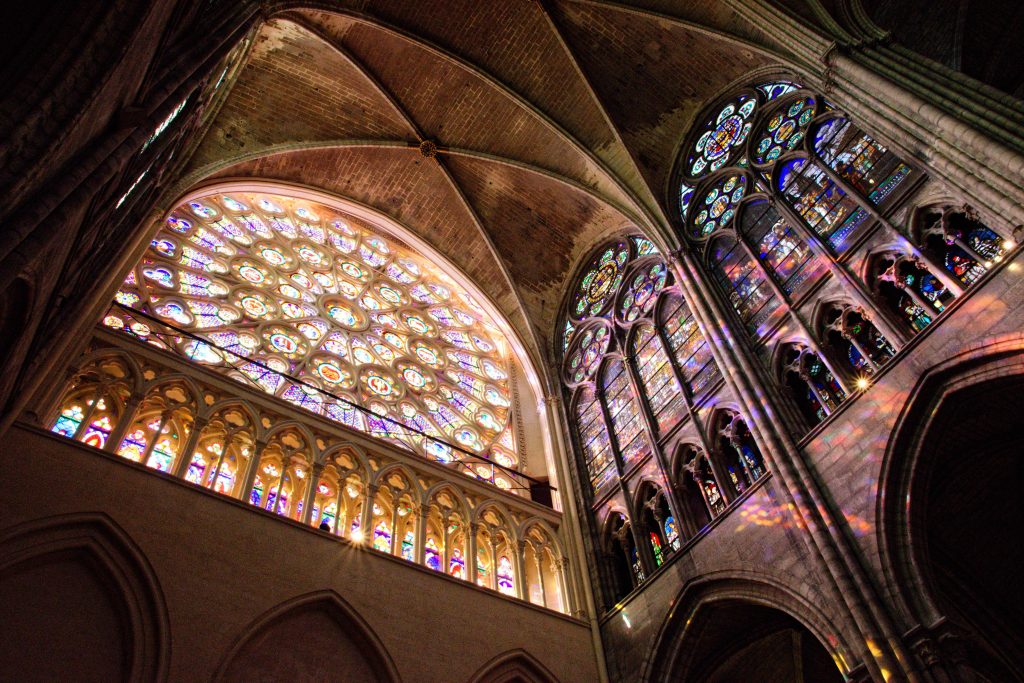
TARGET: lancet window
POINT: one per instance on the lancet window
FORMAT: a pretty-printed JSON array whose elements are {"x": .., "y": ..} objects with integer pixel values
[
  {"x": 814, "y": 387},
  {"x": 790, "y": 187},
  {"x": 633, "y": 359}
]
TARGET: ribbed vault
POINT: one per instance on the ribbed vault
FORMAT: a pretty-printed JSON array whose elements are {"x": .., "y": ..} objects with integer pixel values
[{"x": 556, "y": 123}]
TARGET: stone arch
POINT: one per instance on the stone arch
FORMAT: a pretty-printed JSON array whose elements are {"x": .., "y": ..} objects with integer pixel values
[
  {"x": 335, "y": 638},
  {"x": 676, "y": 654},
  {"x": 462, "y": 505},
  {"x": 238, "y": 403},
  {"x": 403, "y": 470},
  {"x": 514, "y": 666},
  {"x": 87, "y": 560},
  {"x": 966, "y": 399}
]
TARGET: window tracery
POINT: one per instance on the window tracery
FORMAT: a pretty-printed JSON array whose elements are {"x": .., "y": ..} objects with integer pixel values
[
  {"x": 375, "y": 336},
  {"x": 910, "y": 288},
  {"x": 809, "y": 186},
  {"x": 956, "y": 238},
  {"x": 285, "y": 466},
  {"x": 815, "y": 388}
]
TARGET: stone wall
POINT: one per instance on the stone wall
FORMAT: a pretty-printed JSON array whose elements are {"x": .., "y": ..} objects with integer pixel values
[{"x": 196, "y": 577}]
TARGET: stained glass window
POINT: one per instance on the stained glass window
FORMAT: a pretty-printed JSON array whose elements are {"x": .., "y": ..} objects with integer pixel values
[
  {"x": 816, "y": 389},
  {"x": 310, "y": 292},
  {"x": 784, "y": 129},
  {"x": 660, "y": 385},
  {"x": 643, "y": 286},
  {"x": 597, "y": 448},
  {"x": 506, "y": 576},
  {"x": 601, "y": 281},
  {"x": 382, "y": 537},
  {"x": 781, "y": 248},
  {"x": 457, "y": 565},
  {"x": 719, "y": 205},
  {"x": 824, "y": 206},
  {"x": 689, "y": 348},
  {"x": 861, "y": 160},
  {"x": 624, "y": 413},
  {"x": 433, "y": 555},
  {"x": 722, "y": 135},
  {"x": 742, "y": 278}
]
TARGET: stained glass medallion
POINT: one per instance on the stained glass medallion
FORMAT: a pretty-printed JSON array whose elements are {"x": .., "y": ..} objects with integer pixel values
[
  {"x": 330, "y": 299},
  {"x": 644, "y": 284},
  {"x": 784, "y": 129},
  {"x": 718, "y": 205},
  {"x": 722, "y": 135},
  {"x": 600, "y": 281},
  {"x": 585, "y": 353}
]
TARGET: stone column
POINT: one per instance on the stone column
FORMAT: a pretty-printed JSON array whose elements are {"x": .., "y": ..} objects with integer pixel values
[
  {"x": 366, "y": 515},
  {"x": 252, "y": 469},
  {"x": 471, "y": 549},
  {"x": 422, "y": 511},
  {"x": 540, "y": 576},
  {"x": 185, "y": 456},
  {"x": 519, "y": 564},
  {"x": 560, "y": 569},
  {"x": 394, "y": 521},
  {"x": 831, "y": 549},
  {"x": 120, "y": 429},
  {"x": 164, "y": 417},
  {"x": 285, "y": 462},
  {"x": 314, "y": 482}
]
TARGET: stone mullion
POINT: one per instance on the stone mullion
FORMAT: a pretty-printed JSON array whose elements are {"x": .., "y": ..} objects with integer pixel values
[
  {"x": 473, "y": 528},
  {"x": 131, "y": 409},
  {"x": 187, "y": 450},
  {"x": 805, "y": 377},
  {"x": 923, "y": 302},
  {"x": 650, "y": 424},
  {"x": 837, "y": 560},
  {"x": 280, "y": 484},
  {"x": 700, "y": 484},
  {"x": 420, "y": 549},
  {"x": 252, "y": 470},
  {"x": 339, "y": 501},
  {"x": 971, "y": 251},
  {"x": 850, "y": 282},
  {"x": 366, "y": 514},
  {"x": 165, "y": 416},
  {"x": 698, "y": 428},
  {"x": 228, "y": 442},
  {"x": 395, "y": 542},
  {"x": 855, "y": 343},
  {"x": 580, "y": 600}
]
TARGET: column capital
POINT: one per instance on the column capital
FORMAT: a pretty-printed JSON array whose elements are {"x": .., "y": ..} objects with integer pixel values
[{"x": 317, "y": 469}]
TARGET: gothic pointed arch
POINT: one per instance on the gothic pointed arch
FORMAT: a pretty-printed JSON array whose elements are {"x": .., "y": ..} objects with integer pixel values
[
  {"x": 335, "y": 639},
  {"x": 78, "y": 587},
  {"x": 514, "y": 666},
  {"x": 947, "y": 555},
  {"x": 717, "y": 626}
]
